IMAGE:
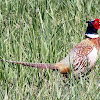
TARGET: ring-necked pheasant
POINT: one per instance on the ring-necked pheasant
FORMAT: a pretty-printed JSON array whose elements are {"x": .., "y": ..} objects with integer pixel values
[{"x": 81, "y": 57}]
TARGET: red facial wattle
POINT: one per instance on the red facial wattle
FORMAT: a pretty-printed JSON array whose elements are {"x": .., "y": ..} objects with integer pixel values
[{"x": 96, "y": 23}]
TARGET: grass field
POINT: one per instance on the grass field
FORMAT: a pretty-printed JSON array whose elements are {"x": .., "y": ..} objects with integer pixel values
[{"x": 44, "y": 31}]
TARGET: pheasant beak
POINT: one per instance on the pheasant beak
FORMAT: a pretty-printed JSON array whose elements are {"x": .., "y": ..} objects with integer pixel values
[{"x": 87, "y": 21}]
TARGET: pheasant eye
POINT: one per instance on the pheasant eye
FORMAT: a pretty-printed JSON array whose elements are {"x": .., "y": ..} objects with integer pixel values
[{"x": 96, "y": 22}]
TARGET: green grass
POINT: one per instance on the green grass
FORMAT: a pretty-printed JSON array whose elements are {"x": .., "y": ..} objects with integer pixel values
[{"x": 44, "y": 31}]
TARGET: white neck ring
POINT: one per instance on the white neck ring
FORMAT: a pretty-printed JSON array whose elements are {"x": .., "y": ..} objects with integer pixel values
[{"x": 92, "y": 35}]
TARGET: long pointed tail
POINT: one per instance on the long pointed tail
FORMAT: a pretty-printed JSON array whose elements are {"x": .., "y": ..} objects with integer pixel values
[{"x": 36, "y": 65}]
